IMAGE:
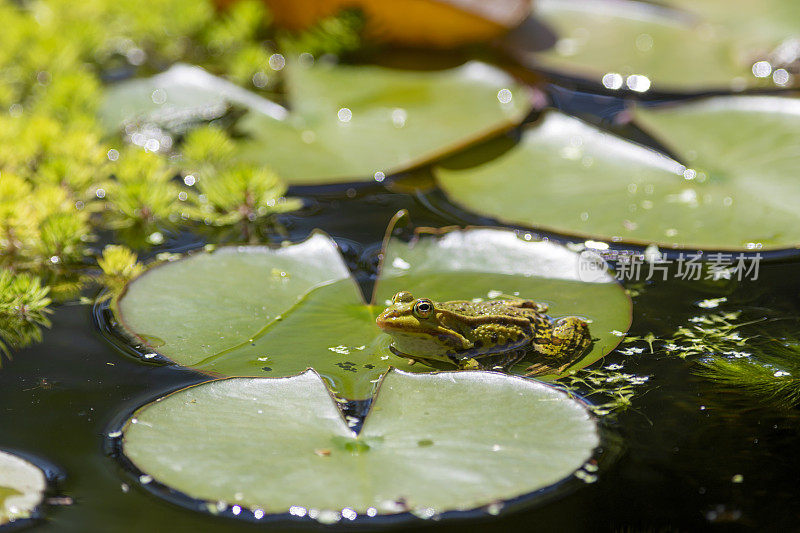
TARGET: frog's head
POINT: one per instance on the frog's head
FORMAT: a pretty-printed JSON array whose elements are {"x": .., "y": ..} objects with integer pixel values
[{"x": 417, "y": 329}]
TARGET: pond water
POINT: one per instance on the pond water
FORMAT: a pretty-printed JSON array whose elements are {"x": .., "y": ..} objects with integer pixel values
[{"x": 694, "y": 455}]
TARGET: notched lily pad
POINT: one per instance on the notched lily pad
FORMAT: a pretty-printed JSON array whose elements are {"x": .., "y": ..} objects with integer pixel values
[
  {"x": 630, "y": 44},
  {"x": 22, "y": 487},
  {"x": 347, "y": 123},
  {"x": 431, "y": 443},
  {"x": 735, "y": 188},
  {"x": 258, "y": 311}
]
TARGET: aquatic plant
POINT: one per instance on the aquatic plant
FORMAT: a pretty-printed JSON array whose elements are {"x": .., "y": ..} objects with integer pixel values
[
  {"x": 608, "y": 388},
  {"x": 340, "y": 35},
  {"x": 119, "y": 265},
  {"x": 230, "y": 191},
  {"x": 761, "y": 365},
  {"x": 23, "y": 310},
  {"x": 61, "y": 182}
]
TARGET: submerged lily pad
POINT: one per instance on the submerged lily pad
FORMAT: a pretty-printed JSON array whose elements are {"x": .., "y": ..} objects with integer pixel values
[
  {"x": 740, "y": 192},
  {"x": 257, "y": 311},
  {"x": 22, "y": 487},
  {"x": 431, "y": 443},
  {"x": 347, "y": 123},
  {"x": 633, "y": 44}
]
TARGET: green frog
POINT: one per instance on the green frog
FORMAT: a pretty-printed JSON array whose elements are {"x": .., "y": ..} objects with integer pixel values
[{"x": 503, "y": 331}]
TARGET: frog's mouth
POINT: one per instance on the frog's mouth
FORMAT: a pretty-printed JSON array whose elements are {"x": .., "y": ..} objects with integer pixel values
[{"x": 448, "y": 337}]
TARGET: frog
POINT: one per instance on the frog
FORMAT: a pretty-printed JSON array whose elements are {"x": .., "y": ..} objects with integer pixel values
[{"x": 469, "y": 333}]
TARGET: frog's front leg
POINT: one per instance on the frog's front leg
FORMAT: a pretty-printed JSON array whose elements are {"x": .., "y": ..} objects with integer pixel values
[
  {"x": 566, "y": 341},
  {"x": 468, "y": 363}
]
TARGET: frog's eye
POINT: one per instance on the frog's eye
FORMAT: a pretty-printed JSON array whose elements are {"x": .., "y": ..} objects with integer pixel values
[
  {"x": 402, "y": 297},
  {"x": 423, "y": 308}
]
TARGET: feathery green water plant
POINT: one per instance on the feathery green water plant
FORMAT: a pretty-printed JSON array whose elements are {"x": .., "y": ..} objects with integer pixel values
[
  {"x": 773, "y": 378},
  {"x": 207, "y": 149},
  {"x": 338, "y": 35},
  {"x": 61, "y": 182},
  {"x": 764, "y": 366},
  {"x": 242, "y": 193},
  {"x": 231, "y": 192},
  {"x": 23, "y": 310},
  {"x": 119, "y": 264},
  {"x": 144, "y": 195},
  {"x": 238, "y": 45}
]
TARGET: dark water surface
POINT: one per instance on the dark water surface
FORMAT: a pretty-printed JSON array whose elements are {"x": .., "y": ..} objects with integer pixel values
[{"x": 684, "y": 439}]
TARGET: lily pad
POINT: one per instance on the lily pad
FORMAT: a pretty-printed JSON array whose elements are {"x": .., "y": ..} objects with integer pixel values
[
  {"x": 179, "y": 95},
  {"x": 633, "y": 44},
  {"x": 740, "y": 192},
  {"x": 22, "y": 487},
  {"x": 347, "y": 123},
  {"x": 431, "y": 443},
  {"x": 257, "y": 311}
]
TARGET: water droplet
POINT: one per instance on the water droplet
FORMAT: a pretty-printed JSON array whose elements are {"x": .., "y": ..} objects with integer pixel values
[
  {"x": 494, "y": 508},
  {"x": 399, "y": 117},
  {"x": 504, "y": 96},
  {"x": 781, "y": 77},
  {"x": 159, "y": 96},
  {"x": 306, "y": 59},
  {"x": 638, "y": 83},
  {"x": 401, "y": 264},
  {"x": 276, "y": 61},
  {"x": 344, "y": 114},
  {"x": 644, "y": 42},
  {"x": 762, "y": 69},
  {"x": 327, "y": 516},
  {"x": 612, "y": 80}
]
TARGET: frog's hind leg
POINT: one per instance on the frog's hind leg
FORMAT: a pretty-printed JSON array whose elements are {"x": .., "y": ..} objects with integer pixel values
[
  {"x": 504, "y": 363},
  {"x": 541, "y": 369},
  {"x": 568, "y": 340}
]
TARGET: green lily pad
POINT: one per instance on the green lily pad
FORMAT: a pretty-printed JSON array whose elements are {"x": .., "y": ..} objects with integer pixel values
[
  {"x": 257, "y": 311},
  {"x": 347, "y": 123},
  {"x": 22, "y": 487},
  {"x": 633, "y": 44},
  {"x": 567, "y": 176},
  {"x": 431, "y": 443},
  {"x": 181, "y": 94}
]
